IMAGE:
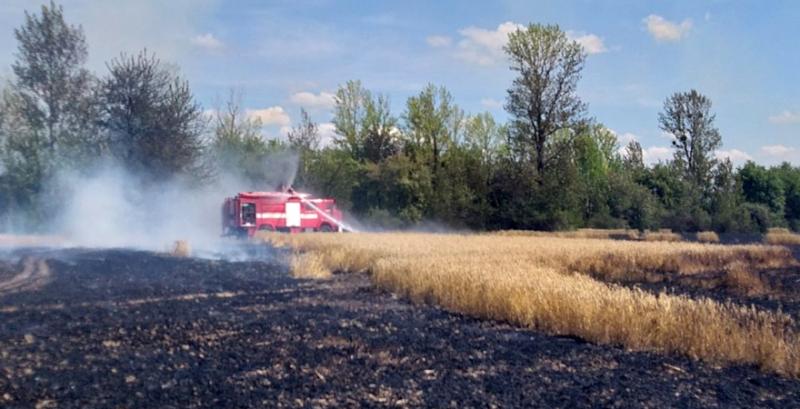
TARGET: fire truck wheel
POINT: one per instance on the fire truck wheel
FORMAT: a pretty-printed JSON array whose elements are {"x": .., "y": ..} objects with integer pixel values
[
  {"x": 266, "y": 227},
  {"x": 326, "y": 228}
]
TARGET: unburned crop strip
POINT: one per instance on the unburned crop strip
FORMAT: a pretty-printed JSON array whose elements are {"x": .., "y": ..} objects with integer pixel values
[
  {"x": 539, "y": 283},
  {"x": 782, "y": 236}
]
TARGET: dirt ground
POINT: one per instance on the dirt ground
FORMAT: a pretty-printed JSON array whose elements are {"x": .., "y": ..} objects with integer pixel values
[{"x": 125, "y": 329}]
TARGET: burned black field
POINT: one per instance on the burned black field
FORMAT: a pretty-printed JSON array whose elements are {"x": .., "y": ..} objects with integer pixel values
[{"x": 120, "y": 328}]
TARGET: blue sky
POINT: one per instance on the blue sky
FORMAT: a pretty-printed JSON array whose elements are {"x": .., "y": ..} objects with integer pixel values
[{"x": 283, "y": 55}]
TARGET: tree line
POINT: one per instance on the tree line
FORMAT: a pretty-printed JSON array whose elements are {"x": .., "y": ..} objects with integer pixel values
[{"x": 550, "y": 166}]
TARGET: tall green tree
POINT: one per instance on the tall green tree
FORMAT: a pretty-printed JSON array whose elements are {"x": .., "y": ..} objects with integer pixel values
[
  {"x": 595, "y": 155},
  {"x": 305, "y": 135},
  {"x": 726, "y": 200},
  {"x": 790, "y": 181},
  {"x": 155, "y": 126},
  {"x": 237, "y": 145},
  {"x": 335, "y": 173},
  {"x": 364, "y": 123},
  {"x": 483, "y": 134},
  {"x": 432, "y": 122},
  {"x": 348, "y": 117},
  {"x": 379, "y": 132},
  {"x": 49, "y": 112},
  {"x": 761, "y": 186},
  {"x": 543, "y": 98},
  {"x": 688, "y": 118},
  {"x": 633, "y": 161},
  {"x": 304, "y": 138},
  {"x": 53, "y": 90}
]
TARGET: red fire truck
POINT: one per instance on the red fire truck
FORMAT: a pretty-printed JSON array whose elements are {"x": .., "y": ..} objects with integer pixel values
[{"x": 286, "y": 211}]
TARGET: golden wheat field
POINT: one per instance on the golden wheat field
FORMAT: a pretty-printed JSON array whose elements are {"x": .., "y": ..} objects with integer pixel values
[
  {"x": 562, "y": 286},
  {"x": 782, "y": 236}
]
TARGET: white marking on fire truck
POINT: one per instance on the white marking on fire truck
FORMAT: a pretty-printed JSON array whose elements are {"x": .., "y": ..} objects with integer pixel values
[
  {"x": 271, "y": 215},
  {"x": 283, "y": 216}
]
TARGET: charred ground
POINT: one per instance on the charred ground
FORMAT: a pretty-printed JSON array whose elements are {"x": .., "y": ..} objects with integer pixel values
[{"x": 120, "y": 328}]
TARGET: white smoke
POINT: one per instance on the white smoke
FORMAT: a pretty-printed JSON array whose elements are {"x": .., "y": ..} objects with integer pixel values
[{"x": 113, "y": 208}]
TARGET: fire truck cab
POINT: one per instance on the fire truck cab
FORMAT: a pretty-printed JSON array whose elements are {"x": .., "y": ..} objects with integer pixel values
[{"x": 290, "y": 211}]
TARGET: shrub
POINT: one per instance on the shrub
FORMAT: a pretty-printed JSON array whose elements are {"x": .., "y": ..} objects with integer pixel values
[
  {"x": 308, "y": 265},
  {"x": 782, "y": 236},
  {"x": 661, "y": 235},
  {"x": 181, "y": 248},
  {"x": 707, "y": 237}
]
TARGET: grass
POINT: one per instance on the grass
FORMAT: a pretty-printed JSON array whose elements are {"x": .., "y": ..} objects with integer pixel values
[
  {"x": 661, "y": 235},
  {"x": 554, "y": 284},
  {"x": 615, "y": 234},
  {"x": 746, "y": 280},
  {"x": 308, "y": 265},
  {"x": 707, "y": 237},
  {"x": 181, "y": 248},
  {"x": 782, "y": 236},
  {"x": 603, "y": 234}
]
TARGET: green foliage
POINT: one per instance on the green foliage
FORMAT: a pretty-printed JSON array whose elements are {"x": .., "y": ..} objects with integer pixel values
[
  {"x": 334, "y": 173},
  {"x": 688, "y": 118},
  {"x": 543, "y": 97},
  {"x": 548, "y": 168},
  {"x": 761, "y": 186},
  {"x": 433, "y": 123},
  {"x": 154, "y": 124},
  {"x": 395, "y": 184},
  {"x": 237, "y": 145},
  {"x": 790, "y": 182},
  {"x": 48, "y": 113},
  {"x": 364, "y": 123},
  {"x": 305, "y": 140},
  {"x": 52, "y": 91}
]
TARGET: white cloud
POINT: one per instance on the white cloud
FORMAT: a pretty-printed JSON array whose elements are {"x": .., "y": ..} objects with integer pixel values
[
  {"x": 626, "y": 138},
  {"x": 114, "y": 27},
  {"x": 208, "y": 41},
  {"x": 323, "y": 100},
  {"x": 209, "y": 113},
  {"x": 623, "y": 140},
  {"x": 439, "y": 41},
  {"x": 591, "y": 43},
  {"x": 485, "y": 46},
  {"x": 482, "y": 46},
  {"x": 270, "y": 116},
  {"x": 664, "y": 30},
  {"x": 491, "y": 103},
  {"x": 623, "y": 137},
  {"x": 785, "y": 117},
  {"x": 667, "y": 135},
  {"x": 778, "y": 151},
  {"x": 736, "y": 156},
  {"x": 327, "y": 133},
  {"x": 655, "y": 154}
]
